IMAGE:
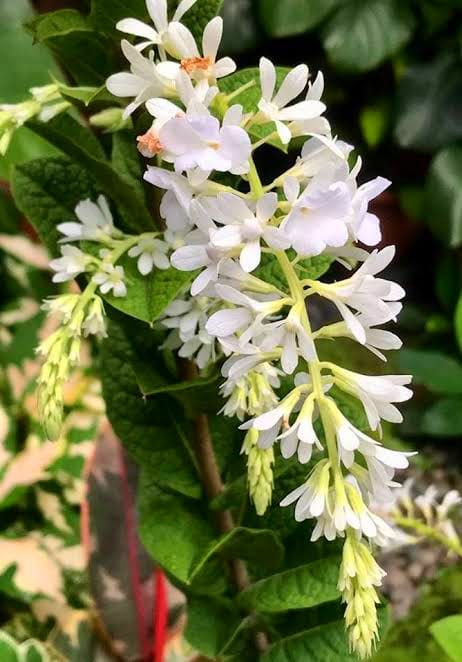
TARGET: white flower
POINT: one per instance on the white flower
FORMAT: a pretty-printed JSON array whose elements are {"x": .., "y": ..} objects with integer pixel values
[
  {"x": 376, "y": 339},
  {"x": 95, "y": 222},
  {"x": 197, "y": 140},
  {"x": 161, "y": 35},
  {"x": 206, "y": 66},
  {"x": 248, "y": 314},
  {"x": 269, "y": 423},
  {"x": 63, "y": 305},
  {"x": 311, "y": 497},
  {"x": 375, "y": 393},
  {"x": 174, "y": 207},
  {"x": 251, "y": 393},
  {"x": 72, "y": 262},
  {"x": 163, "y": 110},
  {"x": 109, "y": 278},
  {"x": 274, "y": 107},
  {"x": 293, "y": 338},
  {"x": 300, "y": 437},
  {"x": 316, "y": 125},
  {"x": 374, "y": 297},
  {"x": 146, "y": 79},
  {"x": 94, "y": 323},
  {"x": 245, "y": 227},
  {"x": 364, "y": 226},
  {"x": 151, "y": 252},
  {"x": 201, "y": 252},
  {"x": 187, "y": 319},
  {"x": 318, "y": 217}
]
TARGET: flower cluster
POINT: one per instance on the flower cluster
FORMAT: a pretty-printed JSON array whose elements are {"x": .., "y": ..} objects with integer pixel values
[
  {"x": 429, "y": 515},
  {"x": 234, "y": 308}
]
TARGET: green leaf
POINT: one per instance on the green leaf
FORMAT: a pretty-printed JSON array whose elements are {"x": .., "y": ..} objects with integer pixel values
[
  {"x": 425, "y": 93},
  {"x": 126, "y": 160},
  {"x": 443, "y": 418},
  {"x": 312, "y": 268},
  {"x": 458, "y": 322},
  {"x": 438, "y": 372},
  {"x": 105, "y": 14},
  {"x": 211, "y": 623},
  {"x": 250, "y": 97},
  {"x": 299, "y": 588},
  {"x": 84, "y": 97},
  {"x": 364, "y": 33},
  {"x": 198, "y": 16},
  {"x": 326, "y": 643},
  {"x": 47, "y": 192},
  {"x": 145, "y": 427},
  {"x": 443, "y": 196},
  {"x": 174, "y": 530},
  {"x": 148, "y": 296},
  {"x": 63, "y": 131},
  {"x": 289, "y": 17},
  {"x": 67, "y": 134},
  {"x": 448, "y": 633},
  {"x": 199, "y": 394},
  {"x": 89, "y": 56},
  {"x": 260, "y": 545},
  {"x": 8, "y": 648}
]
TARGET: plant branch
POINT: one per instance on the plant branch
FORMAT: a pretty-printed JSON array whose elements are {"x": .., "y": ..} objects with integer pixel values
[{"x": 213, "y": 486}]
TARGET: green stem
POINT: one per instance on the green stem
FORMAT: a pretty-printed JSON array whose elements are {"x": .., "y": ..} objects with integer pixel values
[
  {"x": 240, "y": 89},
  {"x": 425, "y": 531},
  {"x": 314, "y": 367},
  {"x": 256, "y": 186}
]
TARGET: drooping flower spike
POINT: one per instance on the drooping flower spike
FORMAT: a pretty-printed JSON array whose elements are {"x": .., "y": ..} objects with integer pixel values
[{"x": 252, "y": 248}]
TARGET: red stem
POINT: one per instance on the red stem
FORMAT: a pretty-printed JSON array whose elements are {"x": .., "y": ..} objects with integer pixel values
[{"x": 132, "y": 548}]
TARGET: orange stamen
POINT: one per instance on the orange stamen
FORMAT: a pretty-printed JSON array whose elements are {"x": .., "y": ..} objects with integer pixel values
[
  {"x": 190, "y": 64},
  {"x": 149, "y": 143}
]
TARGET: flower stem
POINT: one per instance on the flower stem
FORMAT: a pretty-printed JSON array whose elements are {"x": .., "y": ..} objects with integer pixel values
[
  {"x": 425, "y": 531},
  {"x": 314, "y": 366}
]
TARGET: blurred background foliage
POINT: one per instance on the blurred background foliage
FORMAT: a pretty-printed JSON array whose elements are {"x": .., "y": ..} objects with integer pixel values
[{"x": 393, "y": 71}]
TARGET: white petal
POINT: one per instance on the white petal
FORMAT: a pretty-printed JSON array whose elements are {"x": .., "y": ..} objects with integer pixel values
[
  {"x": 292, "y": 85},
  {"x": 268, "y": 419},
  {"x": 226, "y": 322},
  {"x": 267, "y": 78},
  {"x": 283, "y": 132},
  {"x": 224, "y": 66},
  {"x": 213, "y": 32},
  {"x": 138, "y": 28},
  {"x": 182, "y": 40},
  {"x": 158, "y": 12},
  {"x": 293, "y": 496},
  {"x": 250, "y": 256},
  {"x": 124, "y": 85},
  {"x": 291, "y": 189},
  {"x": 305, "y": 110},
  {"x": 189, "y": 258},
  {"x": 266, "y": 206},
  {"x": 182, "y": 9},
  {"x": 347, "y": 438},
  {"x": 145, "y": 264}
]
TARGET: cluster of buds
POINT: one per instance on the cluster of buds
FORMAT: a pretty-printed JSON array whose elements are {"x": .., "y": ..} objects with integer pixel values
[
  {"x": 80, "y": 316},
  {"x": 263, "y": 329},
  {"x": 83, "y": 314},
  {"x": 45, "y": 103}
]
